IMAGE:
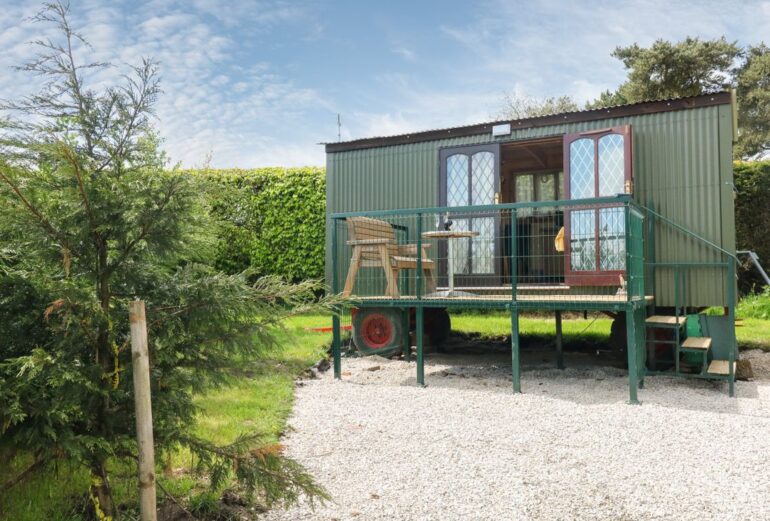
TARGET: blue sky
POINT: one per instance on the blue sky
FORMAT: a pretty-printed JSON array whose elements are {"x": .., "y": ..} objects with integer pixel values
[{"x": 259, "y": 83}]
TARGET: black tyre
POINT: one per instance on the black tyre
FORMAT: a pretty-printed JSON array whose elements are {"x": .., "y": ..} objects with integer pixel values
[
  {"x": 378, "y": 331},
  {"x": 437, "y": 325}
]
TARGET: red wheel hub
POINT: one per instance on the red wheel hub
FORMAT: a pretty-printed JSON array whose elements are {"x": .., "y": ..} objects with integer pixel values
[{"x": 377, "y": 331}]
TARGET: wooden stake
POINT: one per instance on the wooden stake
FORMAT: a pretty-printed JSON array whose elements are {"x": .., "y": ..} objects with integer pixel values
[{"x": 144, "y": 438}]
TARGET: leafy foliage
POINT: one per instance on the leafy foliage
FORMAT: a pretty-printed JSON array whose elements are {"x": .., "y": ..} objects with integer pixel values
[
  {"x": 752, "y": 210},
  {"x": 753, "y": 84},
  {"x": 694, "y": 66},
  {"x": 517, "y": 107},
  {"x": 261, "y": 234},
  {"x": 669, "y": 70},
  {"x": 93, "y": 219},
  {"x": 755, "y": 305}
]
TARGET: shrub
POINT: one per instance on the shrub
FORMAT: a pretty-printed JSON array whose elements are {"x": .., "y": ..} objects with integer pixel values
[
  {"x": 272, "y": 220},
  {"x": 752, "y": 207},
  {"x": 755, "y": 305}
]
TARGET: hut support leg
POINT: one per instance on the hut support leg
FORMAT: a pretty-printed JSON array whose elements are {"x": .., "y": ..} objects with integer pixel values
[
  {"x": 559, "y": 351},
  {"x": 420, "y": 353},
  {"x": 336, "y": 346},
  {"x": 406, "y": 350},
  {"x": 633, "y": 372},
  {"x": 515, "y": 350}
]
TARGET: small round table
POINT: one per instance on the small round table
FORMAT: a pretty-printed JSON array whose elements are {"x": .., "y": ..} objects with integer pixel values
[{"x": 450, "y": 236}]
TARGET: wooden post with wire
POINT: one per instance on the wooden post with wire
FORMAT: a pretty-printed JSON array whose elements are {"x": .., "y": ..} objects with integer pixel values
[{"x": 144, "y": 437}]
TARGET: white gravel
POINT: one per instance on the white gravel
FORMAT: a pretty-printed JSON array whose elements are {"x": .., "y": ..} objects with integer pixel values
[{"x": 570, "y": 447}]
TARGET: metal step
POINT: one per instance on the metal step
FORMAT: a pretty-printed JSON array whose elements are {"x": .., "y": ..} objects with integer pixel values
[
  {"x": 666, "y": 321},
  {"x": 702, "y": 343},
  {"x": 720, "y": 367}
]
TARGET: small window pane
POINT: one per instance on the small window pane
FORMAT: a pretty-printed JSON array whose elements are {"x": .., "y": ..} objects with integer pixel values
[
  {"x": 545, "y": 188},
  {"x": 483, "y": 245},
  {"x": 460, "y": 248},
  {"x": 524, "y": 189},
  {"x": 611, "y": 165},
  {"x": 581, "y": 167},
  {"x": 457, "y": 180},
  {"x": 483, "y": 171},
  {"x": 582, "y": 242},
  {"x": 525, "y": 192},
  {"x": 612, "y": 238}
]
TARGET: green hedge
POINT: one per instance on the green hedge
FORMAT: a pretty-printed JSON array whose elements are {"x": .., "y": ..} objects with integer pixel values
[
  {"x": 273, "y": 220},
  {"x": 752, "y": 208}
]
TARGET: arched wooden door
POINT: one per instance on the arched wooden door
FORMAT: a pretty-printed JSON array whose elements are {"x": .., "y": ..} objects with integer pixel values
[
  {"x": 470, "y": 176},
  {"x": 597, "y": 164}
]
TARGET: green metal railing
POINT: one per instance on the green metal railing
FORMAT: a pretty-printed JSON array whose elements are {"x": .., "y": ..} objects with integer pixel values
[
  {"x": 508, "y": 255},
  {"x": 719, "y": 275}
]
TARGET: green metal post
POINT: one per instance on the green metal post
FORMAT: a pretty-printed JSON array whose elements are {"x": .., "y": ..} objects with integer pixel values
[
  {"x": 515, "y": 345},
  {"x": 731, "y": 319},
  {"x": 676, "y": 315},
  {"x": 559, "y": 349},
  {"x": 514, "y": 256},
  {"x": 406, "y": 349},
  {"x": 418, "y": 280},
  {"x": 335, "y": 317},
  {"x": 515, "y": 349},
  {"x": 633, "y": 370},
  {"x": 631, "y": 336},
  {"x": 420, "y": 353},
  {"x": 420, "y": 311},
  {"x": 650, "y": 257}
]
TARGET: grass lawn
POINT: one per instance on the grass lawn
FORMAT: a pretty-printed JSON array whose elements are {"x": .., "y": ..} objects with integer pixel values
[
  {"x": 752, "y": 333},
  {"x": 595, "y": 329},
  {"x": 259, "y": 400}
]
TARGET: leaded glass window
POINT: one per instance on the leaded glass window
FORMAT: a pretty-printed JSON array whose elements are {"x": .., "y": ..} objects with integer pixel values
[
  {"x": 457, "y": 173},
  {"x": 581, "y": 168},
  {"x": 583, "y": 240},
  {"x": 597, "y": 168},
  {"x": 483, "y": 185},
  {"x": 611, "y": 165},
  {"x": 483, "y": 245}
]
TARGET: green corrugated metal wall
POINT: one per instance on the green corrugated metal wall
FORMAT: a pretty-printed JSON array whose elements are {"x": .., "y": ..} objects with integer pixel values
[{"x": 682, "y": 166}]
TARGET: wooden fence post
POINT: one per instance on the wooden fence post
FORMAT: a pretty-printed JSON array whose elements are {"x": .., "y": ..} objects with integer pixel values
[{"x": 144, "y": 438}]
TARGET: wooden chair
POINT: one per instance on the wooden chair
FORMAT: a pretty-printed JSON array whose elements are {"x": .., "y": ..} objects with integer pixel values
[{"x": 374, "y": 245}]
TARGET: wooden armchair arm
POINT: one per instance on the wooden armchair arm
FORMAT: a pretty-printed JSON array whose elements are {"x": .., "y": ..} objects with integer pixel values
[
  {"x": 411, "y": 249},
  {"x": 369, "y": 242}
]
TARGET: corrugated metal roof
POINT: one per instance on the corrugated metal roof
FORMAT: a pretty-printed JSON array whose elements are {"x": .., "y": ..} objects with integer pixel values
[{"x": 629, "y": 109}]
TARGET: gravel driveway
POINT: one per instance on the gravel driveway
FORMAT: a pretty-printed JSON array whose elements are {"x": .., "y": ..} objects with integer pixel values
[{"x": 570, "y": 447}]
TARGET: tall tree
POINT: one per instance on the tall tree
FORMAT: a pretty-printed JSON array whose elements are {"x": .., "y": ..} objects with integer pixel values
[
  {"x": 670, "y": 70},
  {"x": 92, "y": 218},
  {"x": 694, "y": 66},
  {"x": 753, "y": 84},
  {"x": 518, "y": 107}
]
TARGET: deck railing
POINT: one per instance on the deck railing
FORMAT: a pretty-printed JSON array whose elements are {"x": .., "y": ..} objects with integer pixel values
[
  {"x": 685, "y": 287},
  {"x": 585, "y": 254}
]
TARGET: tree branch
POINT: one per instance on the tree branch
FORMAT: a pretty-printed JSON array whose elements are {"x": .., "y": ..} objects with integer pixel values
[
  {"x": 39, "y": 463},
  {"x": 45, "y": 223}
]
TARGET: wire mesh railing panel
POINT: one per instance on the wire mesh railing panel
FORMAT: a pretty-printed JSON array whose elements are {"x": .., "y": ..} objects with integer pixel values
[{"x": 548, "y": 252}]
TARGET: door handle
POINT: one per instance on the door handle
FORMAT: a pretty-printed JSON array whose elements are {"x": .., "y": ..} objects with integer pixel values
[{"x": 497, "y": 197}]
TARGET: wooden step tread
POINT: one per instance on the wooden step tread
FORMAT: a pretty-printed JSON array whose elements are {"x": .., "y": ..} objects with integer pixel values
[
  {"x": 666, "y": 320},
  {"x": 720, "y": 367},
  {"x": 697, "y": 342}
]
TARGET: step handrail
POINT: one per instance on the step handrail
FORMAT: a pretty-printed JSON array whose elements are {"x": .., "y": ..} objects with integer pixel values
[{"x": 690, "y": 233}]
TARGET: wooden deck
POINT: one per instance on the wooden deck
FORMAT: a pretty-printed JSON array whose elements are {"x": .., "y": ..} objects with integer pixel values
[{"x": 547, "y": 298}]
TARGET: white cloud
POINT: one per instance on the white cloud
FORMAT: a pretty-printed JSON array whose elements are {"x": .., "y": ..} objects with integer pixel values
[
  {"x": 211, "y": 102},
  {"x": 406, "y": 53}
]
